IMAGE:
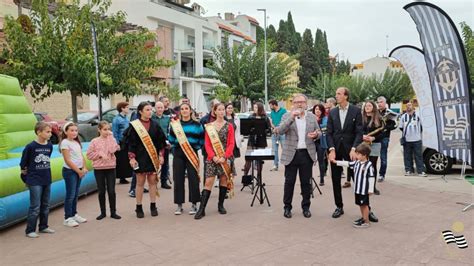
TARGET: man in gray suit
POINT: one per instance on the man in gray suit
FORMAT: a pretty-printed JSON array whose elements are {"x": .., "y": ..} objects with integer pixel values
[{"x": 299, "y": 152}]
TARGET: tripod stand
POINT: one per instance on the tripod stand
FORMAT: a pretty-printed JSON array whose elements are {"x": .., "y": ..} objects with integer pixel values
[
  {"x": 314, "y": 186},
  {"x": 260, "y": 186}
]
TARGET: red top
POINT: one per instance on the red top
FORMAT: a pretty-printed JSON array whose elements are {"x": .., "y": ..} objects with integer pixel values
[
  {"x": 146, "y": 124},
  {"x": 229, "y": 149}
]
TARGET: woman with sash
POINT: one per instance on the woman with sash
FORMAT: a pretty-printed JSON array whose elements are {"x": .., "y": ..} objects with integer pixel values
[
  {"x": 146, "y": 143},
  {"x": 219, "y": 144},
  {"x": 186, "y": 138}
]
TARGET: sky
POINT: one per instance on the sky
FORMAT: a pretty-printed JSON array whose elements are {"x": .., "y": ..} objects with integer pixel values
[{"x": 356, "y": 29}]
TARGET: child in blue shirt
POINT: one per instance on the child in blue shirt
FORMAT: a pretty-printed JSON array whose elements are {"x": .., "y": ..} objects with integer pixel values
[{"x": 36, "y": 174}]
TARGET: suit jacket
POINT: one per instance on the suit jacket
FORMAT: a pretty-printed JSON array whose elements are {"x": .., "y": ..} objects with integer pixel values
[
  {"x": 288, "y": 127},
  {"x": 343, "y": 139}
]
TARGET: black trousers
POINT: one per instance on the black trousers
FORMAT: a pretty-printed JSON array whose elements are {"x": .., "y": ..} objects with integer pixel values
[
  {"x": 336, "y": 176},
  {"x": 105, "y": 180},
  {"x": 181, "y": 165},
  {"x": 303, "y": 164},
  {"x": 322, "y": 160}
]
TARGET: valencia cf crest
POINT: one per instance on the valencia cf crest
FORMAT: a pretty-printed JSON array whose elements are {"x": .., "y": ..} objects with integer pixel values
[{"x": 447, "y": 74}]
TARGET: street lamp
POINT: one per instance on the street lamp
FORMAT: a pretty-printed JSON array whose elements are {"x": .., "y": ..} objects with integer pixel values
[{"x": 265, "y": 52}]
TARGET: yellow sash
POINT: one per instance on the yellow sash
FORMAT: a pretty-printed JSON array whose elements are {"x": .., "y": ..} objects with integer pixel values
[
  {"x": 184, "y": 144},
  {"x": 147, "y": 142},
  {"x": 219, "y": 150}
]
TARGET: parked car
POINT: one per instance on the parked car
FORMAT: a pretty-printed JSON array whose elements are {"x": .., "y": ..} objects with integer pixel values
[
  {"x": 88, "y": 121},
  {"x": 55, "y": 125}
]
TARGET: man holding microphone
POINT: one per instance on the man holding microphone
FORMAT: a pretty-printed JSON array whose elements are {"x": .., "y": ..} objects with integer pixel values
[{"x": 299, "y": 152}]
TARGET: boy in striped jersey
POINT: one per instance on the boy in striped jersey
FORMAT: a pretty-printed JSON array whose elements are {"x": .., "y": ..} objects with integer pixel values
[{"x": 364, "y": 180}]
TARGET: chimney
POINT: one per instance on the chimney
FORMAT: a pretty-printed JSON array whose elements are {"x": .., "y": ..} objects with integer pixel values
[
  {"x": 219, "y": 15},
  {"x": 229, "y": 16},
  {"x": 197, "y": 8}
]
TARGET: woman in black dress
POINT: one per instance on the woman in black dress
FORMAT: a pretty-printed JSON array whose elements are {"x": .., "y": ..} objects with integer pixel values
[
  {"x": 141, "y": 161},
  {"x": 258, "y": 140}
]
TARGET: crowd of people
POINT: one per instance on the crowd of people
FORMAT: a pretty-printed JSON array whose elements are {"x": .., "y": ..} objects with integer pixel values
[{"x": 334, "y": 134}]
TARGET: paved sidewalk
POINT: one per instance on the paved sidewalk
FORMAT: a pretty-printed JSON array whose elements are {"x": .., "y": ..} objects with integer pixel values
[{"x": 413, "y": 211}]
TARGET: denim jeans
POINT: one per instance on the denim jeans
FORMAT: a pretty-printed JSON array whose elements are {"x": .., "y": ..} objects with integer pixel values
[
  {"x": 383, "y": 156},
  {"x": 280, "y": 139},
  {"x": 410, "y": 150},
  {"x": 39, "y": 207},
  {"x": 73, "y": 182}
]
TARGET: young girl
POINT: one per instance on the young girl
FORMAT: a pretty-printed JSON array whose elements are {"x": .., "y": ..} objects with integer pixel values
[
  {"x": 101, "y": 152},
  {"x": 321, "y": 143},
  {"x": 185, "y": 158},
  {"x": 364, "y": 180},
  {"x": 215, "y": 162},
  {"x": 36, "y": 174},
  {"x": 74, "y": 170},
  {"x": 146, "y": 142}
]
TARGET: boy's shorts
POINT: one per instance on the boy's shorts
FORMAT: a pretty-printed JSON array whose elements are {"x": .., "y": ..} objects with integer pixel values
[{"x": 362, "y": 200}]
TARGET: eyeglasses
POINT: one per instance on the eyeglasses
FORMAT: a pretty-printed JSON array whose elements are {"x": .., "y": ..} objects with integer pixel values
[{"x": 298, "y": 102}]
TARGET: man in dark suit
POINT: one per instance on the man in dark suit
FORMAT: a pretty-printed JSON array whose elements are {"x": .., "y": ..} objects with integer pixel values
[{"x": 344, "y": 133}]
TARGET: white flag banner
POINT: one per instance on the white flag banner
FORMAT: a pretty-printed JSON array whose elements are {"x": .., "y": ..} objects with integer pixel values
[{"x": 413, "y": 62}]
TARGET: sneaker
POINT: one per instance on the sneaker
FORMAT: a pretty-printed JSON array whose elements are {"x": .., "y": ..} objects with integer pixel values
[
  {"x": 358, "y": 221},
  {"x": 79, "y": 219},
  {"x": 408, "y": 173},
  {"x": 381, "y": 179},
  {"x": 274, "y": 168},
  {"x": 361, "y": 225},
  {"x": 47, "y": 231},
  {"x": 145, "y": 190},
  {"x": 193, "y": 209},
  {"x": 32, "y": 235},
  {"x": 70, "y": 222},
  {"x": 131, "y": 193},
  {"x": 179, "y": 210},
  {"x": 423, "y": 174}
]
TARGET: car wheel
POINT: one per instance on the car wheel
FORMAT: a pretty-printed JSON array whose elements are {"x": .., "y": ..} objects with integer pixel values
[{"x": 437, "y": 163}]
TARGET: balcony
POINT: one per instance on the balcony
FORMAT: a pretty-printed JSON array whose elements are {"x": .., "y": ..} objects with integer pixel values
[
  {"x": 184, "y": 46},
  {"x": 208, "y": 72},
  {"x": 187, "y": 72},
  {"x": 208, "y": 45}
]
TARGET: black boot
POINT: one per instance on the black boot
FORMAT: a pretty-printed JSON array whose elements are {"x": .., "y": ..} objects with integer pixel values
[
  {"x": 220, "y": 204},
  {"x": 153, "y": 209},
  {"x": 139, "y": 211},
  {"x": 102, "y": 207},
  {"x": 202, "y": 207},
  {"x": 113, "y": 211}
]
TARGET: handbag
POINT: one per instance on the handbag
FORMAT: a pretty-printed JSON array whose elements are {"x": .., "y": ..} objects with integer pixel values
[{"x": 403, "y": 140}]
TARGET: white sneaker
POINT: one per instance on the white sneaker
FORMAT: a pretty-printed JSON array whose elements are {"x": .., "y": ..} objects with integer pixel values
[
  {"x": 48, "y": 231},
  {"x": 32, "y": 235},
  {"x": 193, "y": 210},
  {"x": 70, "y": 222},
  {"x": 423, "y": 174},
  {"x": 79, "y": 219},
  {"x": 179, "y": 210},
  {"x": 274, "y": 168},
  {"x": 408, "y": 173}
]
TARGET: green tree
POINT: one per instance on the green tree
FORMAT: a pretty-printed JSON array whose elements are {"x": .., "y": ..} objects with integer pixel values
[
  {"x": 394, "y": 85},
  {"x": 58, "y": 55},
  {"x": 468, "y": 39},
  {"x": 307, "y": 59},
  {"x": 271, "y": 33},
  {"x": 222, "y": 93},
  {"x": 292, "y": 35},
  {"x": 283, "y": 38},
  {"x": 321, "y": 53},
  {"x": 240, "y": 68}
]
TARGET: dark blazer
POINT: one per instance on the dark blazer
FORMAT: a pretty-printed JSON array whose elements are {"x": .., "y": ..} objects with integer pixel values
[{"x": 343, "y": 139}]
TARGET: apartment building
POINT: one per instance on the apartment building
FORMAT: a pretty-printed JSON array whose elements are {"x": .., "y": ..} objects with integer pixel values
[{"x": 376, "y": 66}]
